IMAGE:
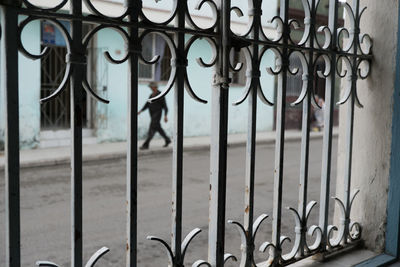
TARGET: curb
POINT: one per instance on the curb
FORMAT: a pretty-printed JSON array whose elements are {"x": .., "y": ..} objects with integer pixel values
[{"x": 62, "y": 160}]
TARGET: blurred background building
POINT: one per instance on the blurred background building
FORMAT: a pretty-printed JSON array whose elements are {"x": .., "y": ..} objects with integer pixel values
[{"x": 44, "y": 125}]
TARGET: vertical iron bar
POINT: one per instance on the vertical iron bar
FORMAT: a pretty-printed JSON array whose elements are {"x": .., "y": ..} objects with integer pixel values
[
  {"x": 219, "y": 132},
  {"x": 9, "y": 55},
  {"x": 305, "y": 132},
  {"x": 177, "y": 167},
  {"x": 303, "y": 182},
  {"x": 76, "y": 58},
  {"x": 350, "y": 123},
  {"x": 250, "y": 176},
  {"x": 349, "y": 153},
  {"x": 134, "y": 48},
  {"x": 254, "y": 11},
  {"x": 280, "y": 136},
  {"x": 330, "y": 85}
]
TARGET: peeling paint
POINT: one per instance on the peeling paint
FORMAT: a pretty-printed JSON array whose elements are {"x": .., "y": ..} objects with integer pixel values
[
  {"x": 29, "y": 88},
  {"x": 372, "y": 127}
]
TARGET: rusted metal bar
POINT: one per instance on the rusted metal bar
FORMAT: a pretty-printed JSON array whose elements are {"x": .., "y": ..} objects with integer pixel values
[
  {"x": 330, "y": 85},
  {"x": 219, "y": 132},
  {"x": 280, "y": 137},
  {"x": 248, "y": 260},
  {"x": 308, "y": 76},
  {"x": 177, "y": 162},
  {"x": 350, "y": 125}
]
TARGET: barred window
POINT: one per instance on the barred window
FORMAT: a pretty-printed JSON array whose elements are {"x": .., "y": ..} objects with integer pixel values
[
  {"x": 146, "y": 71},
  {"x": 152, "y": 45},
  {"x": 238, "y": 78},
  {"x": 294, "y": 82}
]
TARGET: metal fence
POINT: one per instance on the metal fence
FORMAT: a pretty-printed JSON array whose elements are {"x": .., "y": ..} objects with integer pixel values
[{"x": 354, "y": 58}]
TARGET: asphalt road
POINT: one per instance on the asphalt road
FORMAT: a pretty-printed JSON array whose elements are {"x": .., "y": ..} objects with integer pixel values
[{"x": 45, "y": 204}]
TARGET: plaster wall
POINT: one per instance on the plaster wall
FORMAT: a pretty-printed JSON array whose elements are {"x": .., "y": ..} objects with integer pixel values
[
  {"x": 373, "y": 125},
  {"x": 159, "y": 11},
  {"x": 29, "y": 90}
]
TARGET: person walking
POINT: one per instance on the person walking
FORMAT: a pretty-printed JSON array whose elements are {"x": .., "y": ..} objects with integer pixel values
[
  {"x": 155, "y": 110},
  {"x": 319, "y": 114}
]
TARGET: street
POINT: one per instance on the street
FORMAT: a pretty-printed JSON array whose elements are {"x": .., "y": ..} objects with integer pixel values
[{"x": 45, "y": 204}]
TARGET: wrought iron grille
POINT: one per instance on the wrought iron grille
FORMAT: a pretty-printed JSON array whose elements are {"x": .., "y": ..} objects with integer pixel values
[
  {"x": 133, "y": 26},
  {"x": 54, "y": 114}
]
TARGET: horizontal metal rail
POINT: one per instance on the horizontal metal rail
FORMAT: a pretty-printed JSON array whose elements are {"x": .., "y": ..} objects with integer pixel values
[
  {"x": 344, "y": 47},
  {"x": 173, "y": 29}
]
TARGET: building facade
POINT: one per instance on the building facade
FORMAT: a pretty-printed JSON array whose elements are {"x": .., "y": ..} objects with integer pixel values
[{"x": 48, "y": 124}]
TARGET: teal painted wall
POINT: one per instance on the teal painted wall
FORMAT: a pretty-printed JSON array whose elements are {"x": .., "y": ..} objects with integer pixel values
[
  {"x": 29, "y": 79},
  {"x": 29, "y": 90},
  {"x": 111, "y": 119},
  {"x": 2, "y": 109}
]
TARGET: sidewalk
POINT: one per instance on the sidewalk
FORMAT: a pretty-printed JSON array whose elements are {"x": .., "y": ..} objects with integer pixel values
[{"x": 107, "y": 151}]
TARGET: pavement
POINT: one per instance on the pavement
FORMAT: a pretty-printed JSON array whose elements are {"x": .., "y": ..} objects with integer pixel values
[
  {"x": 46, "y": 204},
  {"x": 115, "y": 150}
]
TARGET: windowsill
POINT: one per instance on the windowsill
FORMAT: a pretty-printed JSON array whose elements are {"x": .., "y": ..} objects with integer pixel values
[
  {"x": 379, "y": 260},
  {"x": 350, "y": 258}
]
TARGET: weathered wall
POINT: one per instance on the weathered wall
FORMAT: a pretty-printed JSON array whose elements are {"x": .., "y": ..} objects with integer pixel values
[
  {"x": 111, "y": 118},
  {"x": 29, "y": 91},
  {"x": 29, "y": 84},
  {"x": 373, "y": 125}
]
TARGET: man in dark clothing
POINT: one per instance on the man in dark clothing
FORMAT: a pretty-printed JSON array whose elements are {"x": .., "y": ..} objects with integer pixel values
[{"x": 155, "y": 110}]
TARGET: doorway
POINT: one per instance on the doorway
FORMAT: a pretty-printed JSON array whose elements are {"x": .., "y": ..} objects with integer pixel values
[{"x": 55, "y": 115}]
